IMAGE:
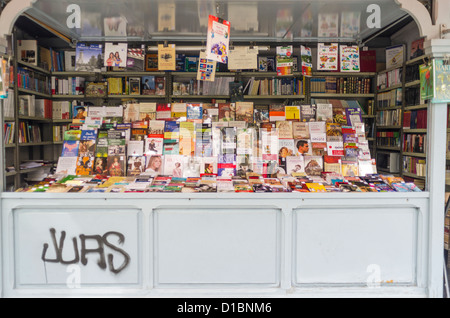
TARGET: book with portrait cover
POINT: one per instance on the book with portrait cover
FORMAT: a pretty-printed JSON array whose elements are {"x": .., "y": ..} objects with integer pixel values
[{"x": 308, "y": 113}]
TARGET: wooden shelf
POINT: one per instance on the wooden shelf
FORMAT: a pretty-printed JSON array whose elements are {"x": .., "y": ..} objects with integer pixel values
[
  {"x": 413, "y": 83},
  {"x": 389, "y": 148},
  {"x": 136, "y": 96},
  {"x": 390, "y": 69},
  {"x": 32, "y": 144},
  {"x": 62, "y": 121},
  {"x": 34, "y": 67},
  {"x": 31, "y": 92},
  {"x": 10, "y": 145},
  {"x": 423, "y": 106},
  {"x": 9, "y": 119},
  {"x": 68, "y": 96},
  {"x": 137, "y": 73},
  {"x": 23, "y": 171},
  {"x": 10, "y": 173},
  {"x": 274, "y": 96},
  {"x": 345, "y": 74},
  {"x": 415, "y": 131},
  {"x": 390, "y": 108},
  {"x": 368, "y": 116},
  {"x": 200, "y": 96},
  {"x": 390, "y": 88},
  {"x": 74, "y": 74},
  {"x": 419, "y": 59},
  {"x": 194, "y": 74},
  {"x": 412, "y": 175},
  {"x": 44, "y": 120},
  {"x": 389, "y": 127},
  {"x": 327, "y": 95},
  {"x": 415, "y": 154}
]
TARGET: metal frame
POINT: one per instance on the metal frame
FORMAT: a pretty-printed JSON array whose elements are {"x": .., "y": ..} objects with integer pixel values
[{"x": 431, "y": 276}]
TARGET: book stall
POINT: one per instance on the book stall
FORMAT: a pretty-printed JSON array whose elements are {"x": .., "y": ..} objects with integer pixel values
[{"x": 268, "y": 170}]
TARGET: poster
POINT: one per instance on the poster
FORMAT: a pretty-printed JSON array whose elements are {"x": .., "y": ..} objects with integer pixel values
[
  {"x": 284, "y": 60},
  {"x": 327, "y": 55},
  {"x": 218, "y": 40},
  {"x": 243, "y": 58},
  {"x": 395, "y": 56},
  {"x": 166, "y": 57},
  {"x": 328, "y": 25},
  {"x": 350, "y": 24},
  {"x": 350, "y": 61},
  {"x": 426, "y": 82},
  {"x": 206, "y": 70},
  {"x": 306, "y": 61},
  {"x": 441, "y": 69},
  {"x": 116, "y": 54}
]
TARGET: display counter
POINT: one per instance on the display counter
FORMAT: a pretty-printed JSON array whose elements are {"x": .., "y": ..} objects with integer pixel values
[{"x": 165, "y": 245}]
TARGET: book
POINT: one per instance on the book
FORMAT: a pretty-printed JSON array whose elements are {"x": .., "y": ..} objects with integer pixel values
[
  {"x": 261, "y": 114},
  {"x": 173, "y": 166},
  {"x": 277, "y": 112},
  {"x": 148, "y": 85},
  {"x": 134, "y": 85},
  {"x": 313, "y": 165},
  {"x": 194, "y": 112},
  {"x": 350, "y": 58},
  {"x": 284, "y": 129},
  {"x": 353, "y": 115},
  {"x": 328, "y": 55},
  {"x": 244, "y": 112},
  {"x": 324, "y": 113},
  {"x": 28, "y": 51},
  {"x": 153, "y": 146},
  {"x": 227, "y": 112},
  {"x": 135, "y": 165},
  {"x": 295, "y": 165},
  {"x": 308, "y": 113},
  {"x": 89, "y": 58},
  {"x": 292, "y": 113}
]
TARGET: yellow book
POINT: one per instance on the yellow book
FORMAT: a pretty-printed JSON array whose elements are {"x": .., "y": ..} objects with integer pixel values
[
  {"x": 316, "y": 187},
  {"x": 292, "y": 113}
]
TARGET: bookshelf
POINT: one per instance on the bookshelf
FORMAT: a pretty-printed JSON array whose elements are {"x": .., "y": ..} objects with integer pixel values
[{"x": 410, "y": 133}]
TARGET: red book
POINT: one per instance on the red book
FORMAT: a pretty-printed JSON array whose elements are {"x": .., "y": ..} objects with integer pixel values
[{"x": 368, "y": 60}]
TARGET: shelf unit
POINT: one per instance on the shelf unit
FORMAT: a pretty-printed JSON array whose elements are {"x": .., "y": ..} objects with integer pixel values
[{"x": 404, "y": 155}]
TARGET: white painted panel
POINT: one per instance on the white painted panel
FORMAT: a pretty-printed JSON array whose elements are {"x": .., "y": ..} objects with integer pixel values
[
  {"x": 217, "y": 246},
  {"x": 355, "y": 246},
  {"x": 89, "y": 228}
]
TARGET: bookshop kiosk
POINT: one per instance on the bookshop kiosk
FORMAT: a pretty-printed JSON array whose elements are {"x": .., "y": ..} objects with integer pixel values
[{"x": 232, "y": 245}]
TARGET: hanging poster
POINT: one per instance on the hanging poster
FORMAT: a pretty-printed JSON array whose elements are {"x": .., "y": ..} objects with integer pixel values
[
  {"x": 350, "y": 24},
  {"x": 218, "y": 39},
  {"x": 327, "y": 55},
  {"x": 166, "y": 17},
  {"x": 116, "y": 54},
  {"x": 206, "y": 70},
  {"x": 166, "y": 57},
  {"x": 328, "y": 25},
  {"x": 306, "y": 61},
  {"x": 285, "y": 60},
  {"x": 441, "y": 76},
  {"x": 243, "y": 58},
  {"x": 395, "y": 56},
  {"x": 426, "y": 82},
  {"x": 350, "y": 58}
]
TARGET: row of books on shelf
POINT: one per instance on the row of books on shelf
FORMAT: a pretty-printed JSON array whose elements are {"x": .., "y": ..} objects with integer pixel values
[
  {"x": 33, "y": 80},
  {"x": 145, "y": 85},
  {"x": 244, "y": 112},
  {"x": 413, "y": 96},
  {"x": 388, "y": 139},
  {"x": 221, "y": 86},
  {"x": 341, "y": 85},
  {"x": 389, "y": 79},
  {"x": 389, "y": 117},
  {"x": 59, "y": 132},
  {"x": 412, "y": 73},
  {"x": 275, "y": 86},
  {"x": 415, "y": 143},
  {"x": 415, "y": 166},
  {"x": 29, "y": 133},
  {"x": 251, "y": 183},
  {"x": 391, "y": 98},
  {"x": 72, "y": 85},
  {"x": 415, "y": 119},
  {"x": 8, "y": 132},
  {"x": 31, "y": 106}
]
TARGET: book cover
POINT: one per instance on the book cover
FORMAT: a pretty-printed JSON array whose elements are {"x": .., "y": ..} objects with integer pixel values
[
  {"x": 368, "y": 60},
  {"x": 67, "y": 165},
  {"x": 300, "y": 130},
  {"x": 210, "y": 113},
  {"x": 171, "y": 147},
  {"x": 171, "y": 130},
  {"x": 317, "y": 132},
  {"x": 160, "y": 86},
  {"x": 70, "y": 148},
  {"x": 277, "y": 112},
  {"x": 136, "y": 59},
  {"x": 286, "y": 148},
  {"x": 417, "y": 48},
  {"x": 154, "y": 165},
  {"x": 116, "y": 54},
  {"x": 308, "y": 113},
  {"x": 154, "y": 146},
  {"x": 135, "y": 165},
  {"x": 261, "y": 114},
  {"x": 84, "y": 165},
  {"x": 350, "y": 58},
  {"x": 324, "y": 113},
  {"x": 135, "y": 148},
  {"x": 327, "y": 57},
  {"x": 179, "y": 111},
  {"x": 227, "y": 112},
  {"x": 89, "y": 58},
  {"x": 353, "y": 116},
  {"x": 194, "y": 112},
  {"x": 226, "y": 166},
  {"x": 306, "y": 58},
  {"x": 163, "y": 111},
  {"x": 292, "y": 113},
  {"x": 395, "y": 56},
  {"x": 313, "y": 165},
  {"x": 244, "y": 112},
  {"x": 236, "y": 92},
  {"x": 284, "y": 60},
  {"x": 173, "y": 166},
  {"x": 218, "y": 39},
  {"x": 284, "y": 129},
  {"x": 116, "y": 165},
  {"x": 295, "y": 164}
]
